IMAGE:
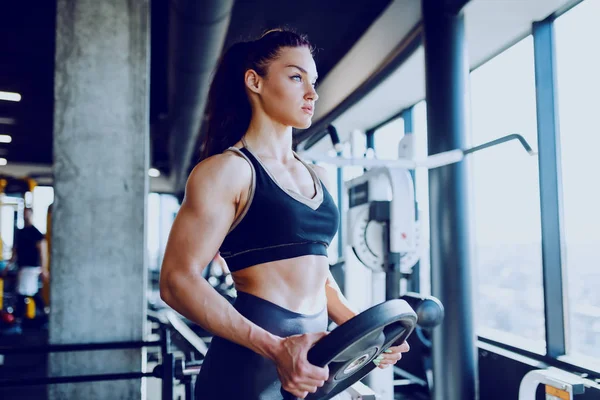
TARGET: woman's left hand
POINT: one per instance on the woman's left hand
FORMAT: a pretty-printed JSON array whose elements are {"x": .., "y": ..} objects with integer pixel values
[{"x": 391, "y": 356}]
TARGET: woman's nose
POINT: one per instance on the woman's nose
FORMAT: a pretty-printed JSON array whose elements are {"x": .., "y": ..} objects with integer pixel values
[{"x": 312, "y": 94}]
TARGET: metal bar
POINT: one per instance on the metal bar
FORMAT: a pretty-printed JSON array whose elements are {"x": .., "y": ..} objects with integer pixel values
[
  {"x": 370, "y": 137},
  {"x": 433, "y": 161},
  {"x": 407, "y": 375},
  {"x": 550, "y": 186},
  {"x": 340, "y": 197},
  {"x": 558, "y": 384},
  {"x": 489, "y": 344},
  {"x": 370, "y": 142},
  {"x": 446, "y": 71},
  {"x": 189, "y": 389},
  {"x": 73, "y": 379},
  {"x": 414, "y": 283},
  {"x": 59, "y": 348},
  {"x": 360, "y": 391},
  {"x": 185, "y": 331},
  {"x": 168, "y": 376},
  {"x": 507, "y": 138},
  {"x": 407, "y": 116},
  {"x": 188, "y": 371},
  {"x": 165, "y": 340}
]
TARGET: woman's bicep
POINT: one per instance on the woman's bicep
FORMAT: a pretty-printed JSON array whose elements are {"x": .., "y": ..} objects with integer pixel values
[
  {"x": 200, "y": 225},
  {"x": 196, "y": 236}
]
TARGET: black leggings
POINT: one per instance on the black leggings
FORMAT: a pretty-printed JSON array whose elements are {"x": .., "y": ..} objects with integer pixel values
[{"x": 231, "y": 371}]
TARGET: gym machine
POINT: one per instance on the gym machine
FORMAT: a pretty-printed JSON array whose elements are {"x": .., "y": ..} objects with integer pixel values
[
  {"x": 384, "y": 243},
  {"x": 558, "y": 384},
  {"x": 384, "y": 246}
]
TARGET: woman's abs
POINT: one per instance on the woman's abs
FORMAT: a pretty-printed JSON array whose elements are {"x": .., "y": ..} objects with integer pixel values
[{"x": 296, "y": 284}]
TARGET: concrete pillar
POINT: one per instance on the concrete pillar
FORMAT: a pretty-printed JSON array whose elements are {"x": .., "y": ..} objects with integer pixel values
[{"x": 101, "y": 148}]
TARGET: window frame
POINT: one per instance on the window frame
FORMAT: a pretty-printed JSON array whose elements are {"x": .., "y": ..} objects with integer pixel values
[
  {"x": 550, "y": 178},
  {"x": 551, "y": 205}
]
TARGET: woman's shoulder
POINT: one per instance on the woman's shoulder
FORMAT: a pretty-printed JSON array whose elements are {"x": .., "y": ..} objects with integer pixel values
[{"x": 224, "y": 170}]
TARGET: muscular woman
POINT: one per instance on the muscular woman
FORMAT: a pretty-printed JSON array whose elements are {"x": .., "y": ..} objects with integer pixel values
[{"x": 271, "y": 217}]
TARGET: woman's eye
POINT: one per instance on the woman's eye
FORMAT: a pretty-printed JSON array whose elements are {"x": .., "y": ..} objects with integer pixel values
[{"x": 297, "y": 76}]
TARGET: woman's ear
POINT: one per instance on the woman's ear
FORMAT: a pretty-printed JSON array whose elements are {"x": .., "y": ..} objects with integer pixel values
[{"x": 253, "y": 81}]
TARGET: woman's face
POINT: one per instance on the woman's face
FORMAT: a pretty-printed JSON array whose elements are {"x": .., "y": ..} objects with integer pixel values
[{"x": 287, "y": 93}]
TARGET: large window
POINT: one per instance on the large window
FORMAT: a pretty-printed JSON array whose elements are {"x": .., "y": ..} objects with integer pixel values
[
  {"x": 578, "y": 85},
  {"x": 162, "y": 209},
  {"x": 387, "y": 138},
  {"x": 510, "y": 304},
  {"x": 355, "y": 147}
]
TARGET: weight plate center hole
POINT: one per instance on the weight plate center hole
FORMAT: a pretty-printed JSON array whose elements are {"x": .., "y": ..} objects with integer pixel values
[{"x": 356, "y": 364}]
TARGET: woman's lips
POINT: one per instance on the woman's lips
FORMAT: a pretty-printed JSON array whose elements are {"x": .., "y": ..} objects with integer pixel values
[{"x": 308, "y": 110}]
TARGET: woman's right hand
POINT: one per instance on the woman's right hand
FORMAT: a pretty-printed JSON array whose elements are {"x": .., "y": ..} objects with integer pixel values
[{"x": 297, "y": 375}]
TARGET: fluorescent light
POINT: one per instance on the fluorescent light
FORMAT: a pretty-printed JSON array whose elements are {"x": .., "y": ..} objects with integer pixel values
[
  {"x": 154, "y": 173},
  {"x": 3, "y": 161},
  {"x": 10, "y": 96},
  {"x": 7, "y": 121},
  {"x": 5, "y": 139}
]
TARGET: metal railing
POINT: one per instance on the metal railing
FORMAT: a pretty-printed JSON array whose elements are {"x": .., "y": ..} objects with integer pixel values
[{"x": 171, "y": 368}]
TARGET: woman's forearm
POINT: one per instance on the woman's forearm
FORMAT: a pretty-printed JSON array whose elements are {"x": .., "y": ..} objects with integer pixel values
[{"x": 193, "y": 297}]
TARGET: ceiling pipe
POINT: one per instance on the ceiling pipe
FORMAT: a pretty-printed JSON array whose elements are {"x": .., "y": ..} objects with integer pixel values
[{"x": 198, "y": 29}]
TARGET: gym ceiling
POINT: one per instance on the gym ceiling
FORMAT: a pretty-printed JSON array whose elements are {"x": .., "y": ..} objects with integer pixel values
[
  {"x": 27, "y": 32},
  {"x": 353, "y": 38}
]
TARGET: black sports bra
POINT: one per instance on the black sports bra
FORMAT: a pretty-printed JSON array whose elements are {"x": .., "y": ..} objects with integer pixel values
[{"x": 278, "y": 223}]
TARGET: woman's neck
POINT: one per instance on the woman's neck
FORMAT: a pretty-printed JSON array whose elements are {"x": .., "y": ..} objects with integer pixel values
[{"x": 270, "y": 140}]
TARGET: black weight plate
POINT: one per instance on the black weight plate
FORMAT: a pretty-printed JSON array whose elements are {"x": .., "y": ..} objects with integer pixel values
[{"x": 349, "y": 349}]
